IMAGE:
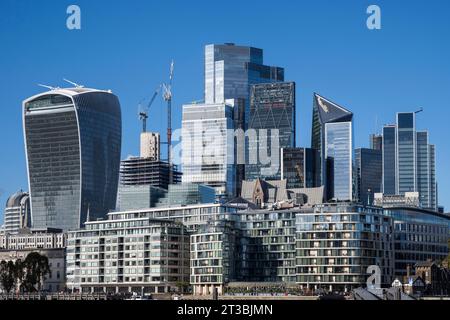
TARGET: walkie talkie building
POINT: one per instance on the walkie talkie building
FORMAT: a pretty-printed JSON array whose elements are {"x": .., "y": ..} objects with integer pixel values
[{"x": 72, "y": 141}]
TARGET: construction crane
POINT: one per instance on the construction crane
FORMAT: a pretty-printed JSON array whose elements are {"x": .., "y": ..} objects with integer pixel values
[
  {"x": 143, "y": 112},
  {"x": 168, "y": 98}
]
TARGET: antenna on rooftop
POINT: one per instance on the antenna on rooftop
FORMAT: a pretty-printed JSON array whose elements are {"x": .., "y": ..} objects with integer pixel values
[
  {"x": 73, "y": 83},
  {"x": 418, "y": 111},
  {"x": 48, "y": 87}
]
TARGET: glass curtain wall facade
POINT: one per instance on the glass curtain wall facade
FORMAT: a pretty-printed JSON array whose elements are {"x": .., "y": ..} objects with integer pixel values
[
  {"x": 423, "y": 170},
  {"x": 339, "y": 154},
  {"x": 73, "y": 142},
  {"x": 406, "y": 153},
  {"x": 187, "y": 194},
  {"x": 299, "y": 167},
  {"x": 389, "y": 160},
  {"x": 376, "y": 141},
  {"x": 327, "y": 112},
  {"x": 231, "y": 69},
  {"x": 272, "y": 118},
  {"x": 369, "y": 165},
  {"x": 433, "y": 201},
  {"x": 420, "y": 235},
  {"x": 409, "y": 161},
  {"x": 208, "y": 148}
]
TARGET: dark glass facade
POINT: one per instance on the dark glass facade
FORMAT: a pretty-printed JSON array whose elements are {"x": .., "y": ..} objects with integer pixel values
[
  {"x": 73, "y": 142},
  {"x": 376, "y": 141},
  {"x": 230, "y": 70},
  {"x": 409, "y": 161},
  {"x": 389, "y": 161},
  {"x": 272, "y": 113},
  {"x": 406, "y": 151},
  {"x": 299, "y": 167},
  {"x": 420, "y": 235},
  {"x": 369, "y": 166},
  {"x": 332, "y": 136}
]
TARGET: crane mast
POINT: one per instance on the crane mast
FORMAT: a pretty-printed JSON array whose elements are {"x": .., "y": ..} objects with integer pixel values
[{"x": 168, "y": 99}]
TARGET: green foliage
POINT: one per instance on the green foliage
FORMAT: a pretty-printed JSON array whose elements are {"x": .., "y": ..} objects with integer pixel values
[
  {"x": 182, "y": 286},
  {"x": 27, "y": 274},
  {"x": 7, "y": 278},
  {"x": 36, "y": 267}
]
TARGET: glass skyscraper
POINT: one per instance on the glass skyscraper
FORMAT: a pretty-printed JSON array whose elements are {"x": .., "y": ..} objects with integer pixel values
[
  {"x": 409, "y": 161},
  {"x": 376, "y": 141},
  {"x": 72, "y": 142},
  {"x": 207, "y": 146},
  {"x": 389, "y": 160},
  {"x": 368, "y": 164},
  {"x": 229, "y": 72},
  {"x": 272, "y": 107},
  {"x": 405, "y": 153},
  {"x": 332, "y": 136},
  {"x": 231, "y": 69},
  {"x": 299, "y": 167}
]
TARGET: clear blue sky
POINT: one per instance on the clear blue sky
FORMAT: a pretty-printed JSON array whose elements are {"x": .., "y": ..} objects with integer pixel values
[{"x": 324, "y": 46}]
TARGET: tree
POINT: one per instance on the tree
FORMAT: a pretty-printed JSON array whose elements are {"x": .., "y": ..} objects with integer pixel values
[
  {"x": 182, "y": 286},
  {"x": 36, "y": 267},
  {"x": 7, "y": 278},
  {"x": 19, "y": 272}
]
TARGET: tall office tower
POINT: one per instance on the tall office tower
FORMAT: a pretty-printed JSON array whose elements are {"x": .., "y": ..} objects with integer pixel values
[
  {"x": 299, "y": 167},
  {"x": 239, "y": 143},
  {"x": 150, "y": 145},
  {"x": 433, "y": 201},
  {"x": 17, "y": 212},
  {"x": 406, "y": 153},
  {"x": 231, "y": 69},
  {"x": 426, "y": 180},
  {"x": 332, "y": 136},
  {"x": 389, "y": 160},
  {"x": 376, "y": 141},
  {"x": 72, "y": 141},
  {"x": 409, "y": 161},
  {"x": 207, "y": 146},
  {"x": 271, "y": 127},
  {"x": 369, "y": 166}
]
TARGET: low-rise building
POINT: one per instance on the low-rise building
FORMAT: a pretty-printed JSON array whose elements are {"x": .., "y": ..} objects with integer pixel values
[
  {"x": 336, "y": 243},
  {"x": 419, "y": 235},
  {"x": 324, "y": 246},
  {"x": 121, "y": 254},
  {"x": 29, "y": 239},
  {"x": 49, "y": 242},
  {"x": 55, "y": 281},
  {"x": 409, "y": 199}
]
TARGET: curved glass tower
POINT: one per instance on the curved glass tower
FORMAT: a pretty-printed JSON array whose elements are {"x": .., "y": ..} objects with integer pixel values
[{"x": 72, "y": 141}]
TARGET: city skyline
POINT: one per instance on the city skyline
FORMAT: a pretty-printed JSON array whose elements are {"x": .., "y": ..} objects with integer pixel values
[{"x": 188, "y": 82}]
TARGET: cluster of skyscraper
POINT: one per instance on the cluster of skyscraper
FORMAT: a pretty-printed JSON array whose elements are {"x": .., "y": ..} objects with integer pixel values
[
  {"x": 401, "y": 160},
  {"x": 243, "y": 130},
  {"x": 248, "y": 204}
]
